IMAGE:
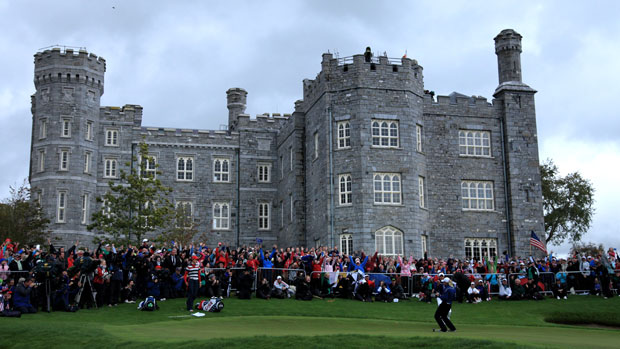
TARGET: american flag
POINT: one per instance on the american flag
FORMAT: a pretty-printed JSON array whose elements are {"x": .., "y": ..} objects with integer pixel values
[{"x": 535, "y": 241}]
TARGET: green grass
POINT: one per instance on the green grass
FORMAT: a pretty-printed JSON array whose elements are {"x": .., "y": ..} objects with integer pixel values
[
  {"x": 321, "y": 323},
  {"x": 585, "y": 318}
]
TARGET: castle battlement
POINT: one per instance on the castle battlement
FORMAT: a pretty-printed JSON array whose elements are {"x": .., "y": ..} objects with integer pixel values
[
  {"x": 457, "y": 104},
  {"x": 61, "y": 64},
  {"x": 366, "y": 71},
  {"x": 128, "y": 113},
  {"x": 265, "y": 120}
]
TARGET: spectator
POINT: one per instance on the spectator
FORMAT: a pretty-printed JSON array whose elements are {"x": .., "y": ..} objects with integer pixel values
[
  {"x": 505, "y": 292},
  {"x": 264, "y": 290},
  {"x": 473, "y": 294},
  {"x": 281, "y": 289},
  {"x": 559, "y": 291},
  {"x": 384, "y": 294},
  {"x": 303, "y": 291},
  {"x": 21, "y": 301}
]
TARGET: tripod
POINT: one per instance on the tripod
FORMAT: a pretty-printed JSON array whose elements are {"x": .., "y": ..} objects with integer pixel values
[{"x": 84, "y": 280}]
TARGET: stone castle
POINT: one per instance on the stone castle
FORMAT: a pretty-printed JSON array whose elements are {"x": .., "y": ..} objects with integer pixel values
[{"x": 369, "y": 159}]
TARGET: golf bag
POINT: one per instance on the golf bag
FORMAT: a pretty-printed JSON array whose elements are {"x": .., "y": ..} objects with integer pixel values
[
  {"x": 149, "y": 304},
  {"x": 214, "y": 305}
]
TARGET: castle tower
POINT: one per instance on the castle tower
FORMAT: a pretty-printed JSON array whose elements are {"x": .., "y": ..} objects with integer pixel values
[
  {"x": 362, "y": 167},
  {"x": 236, "y": 99},
  {"x": 65, "y": 112},
  {"x": 514, "y": 101},
  {"x": 508, "y": 50}
]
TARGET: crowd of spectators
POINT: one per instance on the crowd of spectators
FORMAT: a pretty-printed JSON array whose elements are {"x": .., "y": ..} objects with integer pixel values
[{"x": 37, "y": 278}]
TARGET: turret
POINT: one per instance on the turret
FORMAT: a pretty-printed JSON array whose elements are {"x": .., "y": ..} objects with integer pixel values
[
  {"x": 236, "y": 99},
  {"x": 65, "y": 113},
  {"x": 508, "y": 50}
]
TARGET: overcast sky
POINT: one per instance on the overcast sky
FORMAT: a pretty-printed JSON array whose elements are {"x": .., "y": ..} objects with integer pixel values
[{"x": 178, "y": 58}]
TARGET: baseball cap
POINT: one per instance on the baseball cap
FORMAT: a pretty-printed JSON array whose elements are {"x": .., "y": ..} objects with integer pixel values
[
  {"x": 279, "y": 277},
  {"x": 446, "y": 280}
]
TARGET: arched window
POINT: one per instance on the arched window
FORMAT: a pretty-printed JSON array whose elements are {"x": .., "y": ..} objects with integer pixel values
[
  {"x": 346, "y": 243},
  {"x": 389, "y": 241}
]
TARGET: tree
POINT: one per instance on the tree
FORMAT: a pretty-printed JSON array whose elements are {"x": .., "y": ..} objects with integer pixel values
[
  {"x": 567, "y": 204},
  {"x": 21, "y": 219},
  {"x": 587, "y": 249},
  {"x": 136, "y": 204}
]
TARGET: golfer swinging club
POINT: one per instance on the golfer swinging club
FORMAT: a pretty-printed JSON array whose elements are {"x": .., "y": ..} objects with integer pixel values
[{"x": 441, "y": 315}]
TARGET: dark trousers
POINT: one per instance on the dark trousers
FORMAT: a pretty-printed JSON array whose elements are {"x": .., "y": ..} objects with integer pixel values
[
  {"x": 192, "y": 292},
  {"x": 441, "y": 316}
]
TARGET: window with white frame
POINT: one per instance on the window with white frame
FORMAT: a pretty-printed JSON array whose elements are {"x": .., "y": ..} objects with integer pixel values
[
  {"x": 221, "y": 216},
  {"x": 185, "y": 169},
  {"x": 43, "y": 129},
  {"x": 385, "y": 133},
  {"x": 221, "y": 170},
  {"x": 185, "y": 214},
  {"x": 387, "y": 188},
  {"x": 88, "y": 135},
  {"x": 146, "y": 210},
  {"x": 65, "y": 132},
  {"x": 346, "y": 244},
  {"x": 421, "y": 191},
  {"x": 474, "y": 143},
  {"x": 111, "y": 138},
  {"x": 264, "y": 173},
  {"x": 61, "y": 214},
  {"x": 281, "y": 167},
  {"x": 477, "y": 195},
  {"x": 424, "y": 244},
  {"x": 110, "y": 168},
  {"x": 344, "y": 189},
  {"x": 85, "y": 206},
  {"x": 106, "y": 209},
  {"x": 418, "y": 138},
  {"x": 264, "y": 216},
  {"x": 41, "y": 160},
  {"x": 478, "y": 248},
  {"x": 148, "y": 167},
  {"x": 64, "y": 160},
  {"x": 389, "y": 241},
  {"x": 344, "y": 135},
  {"x": 87, "y": 159},
  {"x": 291, "y": 157},
  {"x": 316, "y": 145}
]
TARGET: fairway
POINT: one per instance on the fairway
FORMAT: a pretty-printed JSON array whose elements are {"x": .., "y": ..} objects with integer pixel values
[{"x": 319, "y": 323}]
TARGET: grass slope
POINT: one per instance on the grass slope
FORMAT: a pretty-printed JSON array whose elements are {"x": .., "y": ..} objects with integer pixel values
[{"x": 319, "y": 323}]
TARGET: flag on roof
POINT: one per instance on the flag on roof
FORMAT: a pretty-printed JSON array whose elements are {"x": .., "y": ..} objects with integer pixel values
[{"x": 535, "y": 241}]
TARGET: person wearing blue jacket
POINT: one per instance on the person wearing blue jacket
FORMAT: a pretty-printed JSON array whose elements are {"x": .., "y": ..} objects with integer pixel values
[
  {"x": 21, "y": 297},
  {"x": 357, "y": 265},
  {"x": 448, "y": 295},
  {"x": 267, "y": 263}
]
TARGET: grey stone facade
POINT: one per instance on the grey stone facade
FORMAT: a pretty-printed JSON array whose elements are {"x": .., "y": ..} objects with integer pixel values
[{"x": 423, "y": 147}]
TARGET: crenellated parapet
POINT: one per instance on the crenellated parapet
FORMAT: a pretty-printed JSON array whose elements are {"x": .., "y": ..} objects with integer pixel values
[
  {"x": 273, "y": 121},
  {"x": 66, "y": 65},
  {"x": 458, "y": 104},
  {"x": 364, "y": 71},
  {"x": 128, "y": 113}
]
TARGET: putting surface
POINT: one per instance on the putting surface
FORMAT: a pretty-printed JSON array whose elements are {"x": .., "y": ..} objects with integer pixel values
[{"x": 318, "y": 323}]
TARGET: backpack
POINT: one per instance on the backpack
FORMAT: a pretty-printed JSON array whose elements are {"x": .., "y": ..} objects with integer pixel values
[{"x": 149, "y": 304}]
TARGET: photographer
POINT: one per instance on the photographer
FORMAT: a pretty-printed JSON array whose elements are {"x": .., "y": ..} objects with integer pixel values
[{"x": 21, "y": 299}]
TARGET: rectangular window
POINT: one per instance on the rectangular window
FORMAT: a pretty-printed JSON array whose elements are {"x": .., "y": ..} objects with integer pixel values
[
  {"x": 344, "y": 189},
  {"x": 387, "y": 188},
  {"x": 148, "y": 167},
  {"x": 111, "y": 138},
  {"x": 418, "y": 137},
  {"x": 264, "y": 173},
  {"x": 66, "y": 128},
  {"x": 110, "y": 167},
  {"x": 290, "y": 199},
  {"x": 263, "y": 216},
  {"x": 477, "y": 195},
  {"x": 477, "y": 248},
  {"x": 475, "y": 143},
  {"x": 221, "y": 170},
  {"x": 61, "y": 207},
  {"x": 41, "y": 160},
  {"x": 85, "y": 205},
  {"x": 344, "y": 135},
  {"x": 185, "y": 214},
  {"x": 185, "y": 169},
  {"x": 281, "y": 214},
  {"x": 290, "y": 150},
  {"x": 346, "y": 244},
  {"x": 421, "y": 192},
  {"x": 281, "y": 167},
  {"x": 221, "y": 216},
  {"x": 64, "y": 160},
  {"x": 89, "y": 131},
  {"x": 87, "y": 159},
  {"x": 385, "y": 133},
  {"x": 43, "y": 129},
  {"x": 106, "y": 209},
  {"x": 316, "y": 145},
  {"x": 424, "y": 246}
]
